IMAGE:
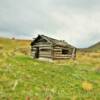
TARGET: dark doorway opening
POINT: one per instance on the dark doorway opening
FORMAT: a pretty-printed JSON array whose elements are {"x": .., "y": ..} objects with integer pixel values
[
  {"x": 64, "y": 51},
  {"x": 37, "y": 52}
]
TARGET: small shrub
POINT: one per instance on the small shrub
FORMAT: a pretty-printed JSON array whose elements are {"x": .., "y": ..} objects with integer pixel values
[
  {"x": 74, "y": 98},
  {"x": 13, "y": 38},
  {"x": 97, "y": 69},
  {"x": 28, "y": 98},
  {"x": 48, "y": 98},
  {"x": 1, "y": 47},
  {"x": 24, "y": 51},
  {"x": 87, "y": 86}
]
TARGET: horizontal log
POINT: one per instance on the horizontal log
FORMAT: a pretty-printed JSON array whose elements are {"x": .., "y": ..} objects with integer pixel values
[
  {"x": 33, "y": 52},
  {"x": 45, "y": 56},
  {"x": 45, "y": 48},
  {"x": 62, "y": 47},
  {"x": 44, "y": 52},
  {"x": 41, "y": 45},
  {"x": 61, "y": 57},
  {"x": 33, "y": 49},
  {"x": 61, "y": 54},
  {"x": 57, "y": 53},
  {"x": 57, "y": 50}
]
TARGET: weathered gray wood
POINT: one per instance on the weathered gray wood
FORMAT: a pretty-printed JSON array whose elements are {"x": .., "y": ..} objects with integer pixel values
[
  {"x": 53, "y": 51},
  {"x": 46, "y": 56}
]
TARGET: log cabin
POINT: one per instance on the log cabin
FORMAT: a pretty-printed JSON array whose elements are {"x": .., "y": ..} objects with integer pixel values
[{"x": 44, "y": 47}]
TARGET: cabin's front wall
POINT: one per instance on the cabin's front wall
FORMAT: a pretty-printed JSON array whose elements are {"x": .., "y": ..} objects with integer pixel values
[
  {"x": 45, "y": 50},
  {"x": 59, "y": 54}
]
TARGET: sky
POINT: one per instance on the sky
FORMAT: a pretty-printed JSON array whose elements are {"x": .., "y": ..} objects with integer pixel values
[{"x": 75, "y": 21}]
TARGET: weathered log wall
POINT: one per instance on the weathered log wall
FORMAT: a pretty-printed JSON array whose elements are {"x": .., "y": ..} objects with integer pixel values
[
  {"x": 46, "y": 50},
  {"x": 57, "y": 53}
]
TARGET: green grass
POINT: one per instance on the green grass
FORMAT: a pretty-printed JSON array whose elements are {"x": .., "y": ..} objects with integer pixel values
[{"x": 22, "y": 77}]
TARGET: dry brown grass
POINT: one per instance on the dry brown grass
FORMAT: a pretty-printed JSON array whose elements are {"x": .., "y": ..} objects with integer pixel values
[
  {"x": 87, "y": 86},
  {"x": 89, "y": 58}
]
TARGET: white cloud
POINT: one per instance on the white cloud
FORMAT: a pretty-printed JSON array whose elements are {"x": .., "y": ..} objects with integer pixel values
[{"x": 78, "y": 29}]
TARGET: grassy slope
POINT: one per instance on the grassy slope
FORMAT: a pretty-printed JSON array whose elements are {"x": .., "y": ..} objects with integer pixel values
[
  {"x": 93, "y": 48},
  {"x": 13, "y": 43},
  {"x": 22, "y": 77}
]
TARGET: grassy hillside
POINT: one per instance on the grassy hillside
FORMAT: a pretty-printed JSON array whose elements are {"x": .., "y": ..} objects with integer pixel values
[
  {"x": 10, "y": 43},
  {"x": 93, "y": 48},
  {"x": 15, "y": 45},
  {"x": 22, "y": 78}
]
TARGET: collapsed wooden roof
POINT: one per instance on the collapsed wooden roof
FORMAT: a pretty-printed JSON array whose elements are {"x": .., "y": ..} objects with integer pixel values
[{"x": 53, "y": 41}]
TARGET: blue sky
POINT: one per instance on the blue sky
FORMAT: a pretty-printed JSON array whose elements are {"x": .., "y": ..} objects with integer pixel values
[{"x": 75, "y": 21}]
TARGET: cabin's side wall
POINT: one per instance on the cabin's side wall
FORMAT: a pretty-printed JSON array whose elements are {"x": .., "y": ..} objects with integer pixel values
[
  {"x": 58, "y": 53},
  {"x": 45, "y": 50}
]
